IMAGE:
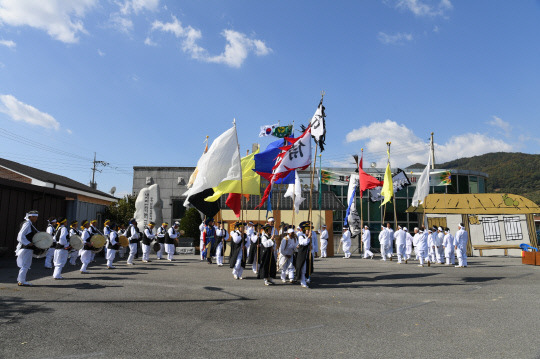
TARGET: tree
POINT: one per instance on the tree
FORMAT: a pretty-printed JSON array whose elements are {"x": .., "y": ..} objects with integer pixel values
[
  {"x": 122, "y": 211},
  {"x": 190, "y": 225}
]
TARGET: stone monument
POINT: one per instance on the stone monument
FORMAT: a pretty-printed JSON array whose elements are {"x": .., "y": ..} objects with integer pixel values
[{"x": 149, "y": 206}]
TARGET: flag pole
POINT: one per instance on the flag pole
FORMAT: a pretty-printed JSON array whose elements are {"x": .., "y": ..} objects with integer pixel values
[
  {"x": 361, "y": 206},
  {"x": 320, "y": 190},
  {"x": 241, "y": 189},
  {"x": 393, "y": 193}
]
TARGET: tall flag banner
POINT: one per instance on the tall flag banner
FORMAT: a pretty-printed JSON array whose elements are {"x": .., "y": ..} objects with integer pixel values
[
  {"x": 422, "y": 186},
  {"x": 399, "y": 180},
  {"x": 283, "y": 131},
  {"x": 295, "y": 156},
  {"x": 294, "y": 191},
  {"x": 220, "y": 163},
  {"x": 352, "y": 219},
  {"x": 366, "y": 181},
  {"x": 436, "y": 178},
  {"x": 194, "y": 174},
  {"x": 265, "y": 161},
  {"x": 388, "y": 187},
  {"x": 267, "y": 130},
  {"x": 318, "y": 126},
  {"x": 334, "y": 178}
]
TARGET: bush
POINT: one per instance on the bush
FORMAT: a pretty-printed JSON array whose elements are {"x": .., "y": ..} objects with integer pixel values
[
  {"x": 190, "y": 225},
  {"x": 121, "y": 212}
]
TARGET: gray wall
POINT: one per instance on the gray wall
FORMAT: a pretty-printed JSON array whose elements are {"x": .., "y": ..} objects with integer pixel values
[
  {"x": 167, "y": 179},
  {"x": 79, "y": 211}
]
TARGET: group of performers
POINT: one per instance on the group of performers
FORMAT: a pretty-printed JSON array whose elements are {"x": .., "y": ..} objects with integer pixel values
[
  {"x": 264, "y": 247},
  {"x": 434, "y": 245},
  {"x": 114, "y": 238}
]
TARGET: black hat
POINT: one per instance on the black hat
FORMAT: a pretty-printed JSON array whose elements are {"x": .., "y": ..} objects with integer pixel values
[{"x": 305, "y": 225}]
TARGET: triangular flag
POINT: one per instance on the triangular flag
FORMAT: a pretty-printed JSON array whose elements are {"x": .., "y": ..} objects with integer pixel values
[
  {"x": 422, "y": 186},
  {"x": 388, "y": 186}
]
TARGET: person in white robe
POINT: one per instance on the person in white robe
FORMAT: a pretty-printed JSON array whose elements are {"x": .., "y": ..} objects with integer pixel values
[
  {"x": 346, "y": 242},
  {"x": 86, "y": 250},
  {"x": 51, "y": 229},
  {"x": 390, "y": 241},
  {"x": 383, "y": 243},
  {"x": 73, "y": 254},
  {"x": 134, "y": 236},
  {"x": 237, "y": 251},
  {"x": 25, "y": 247},
  {"x": 408, "y": 244},
  {"x": 161, "y": 232},
  {"x": 148, "y": 237},
  {"x": 400, "y": 239},
  {"x": 324, "y": 241},
  {"x": 62, "y": 248},
  {"x": 439, "y": 249},
  {"x": 112, "y": 245},
  {"x": 449, "y": 246},
  {"x": 172, "y": 234},
  {"x": 460, "y": 246},
  {"x": 366, "y": 240},
  {"x": 419, "y": 241},
  {"x": 431, "y": 246},
  {"x": 286, "y": 252},
  {"x": 222, "y": 237}
]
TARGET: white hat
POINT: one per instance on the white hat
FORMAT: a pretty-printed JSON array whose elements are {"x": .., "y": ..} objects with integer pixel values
[
  {"x": 270, "y": 219},
  {"x": 440, "y": 229},
  {"x": 290, "y": 230},
  {"x": 405, "y": 229}
]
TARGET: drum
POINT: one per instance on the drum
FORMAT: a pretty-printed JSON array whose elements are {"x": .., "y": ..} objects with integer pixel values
[
  {"x": 42, "y": 240},
  {"x": 75, "y": 242},
  {"x": 182, "y": 232},
  {"x": 97, "y": 250},
  {"x": 124, "y": 241},
  {"x": 155, "y": 246},
  {"x": 98, "y": 242}
]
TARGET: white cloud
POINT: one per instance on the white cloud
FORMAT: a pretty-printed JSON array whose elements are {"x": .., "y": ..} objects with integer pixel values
[
  {"x": 398, "y": 38},
  {"x": 100, "y": 53},
  {"x": 148, "y": 41},
  {"x": 137, "y": 6},
  {"x": 503, "y": 125},
  {"x": 408, "y": 148},
  {"x": 61, "y": 19},
  {"x": 421, "y": 8},
  {"x": 121, "y": 23},
  {"x": 436, "y": 29},
  {"x": 8, "y": 43},
  {"x": 19, "y": 111},
  {"x": 236, "y": 50},
  {"x": 69, "y": 131}
]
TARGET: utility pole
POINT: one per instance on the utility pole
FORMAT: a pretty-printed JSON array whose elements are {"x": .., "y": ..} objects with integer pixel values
[
  {"x": 93, "y": 183},
  {"x": 432, "y": 148}
]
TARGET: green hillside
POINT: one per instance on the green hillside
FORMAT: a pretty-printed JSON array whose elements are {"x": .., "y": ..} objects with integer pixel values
[{"x": 517, "y": 173}]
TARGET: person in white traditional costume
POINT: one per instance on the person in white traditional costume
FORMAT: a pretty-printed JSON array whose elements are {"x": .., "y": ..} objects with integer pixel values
[
  {"x": 286, "y": 250},
  {"x": 122, "y": 232},
  {"x": 315, "y": 241},
  {"x": 346, "y": 242},
  {"x": 250, "y": 230},
  {"x": 106, "y": 232},
  {"x": 324, "y": 241},
  {"x": 236, "y": 259},
  {"x": 93, "y": 230},
  {"x": 112, "y": 245},
  {"x": 148, "y": 237},
  {"x": 366, "y": 239},
  {"x": 419, "y": 241},
  {"x": 304, "y": 264},
  {"x": 134, "y": 236},
  {"x": 51, "y": 229},
  {"x": 439, "y": 249},
  {"x": 73, "y": 230},
  {"x": 25, "y": 247},
  {"x": 170, "y": 238},
  {"x": 401, "y": 237},
  {"x": 448, "y": 245},
  {"x": 267, "y": 270},
  {"x": 383, "y": 235},
  {"x": 222, "y": 238},
  {"x": 202, "y": 226},
  {"x": 161, "y": 232},
  {"x": 408, "y": 244},
  {"x": 62, "y": 248},
  {"x": 390, "y": 241},
  {"x": 461, "y": 240},
  {"x": 254, "y": 255},
  {"x": 431, "y": 246},
  {"x": 86, "y": 250}
]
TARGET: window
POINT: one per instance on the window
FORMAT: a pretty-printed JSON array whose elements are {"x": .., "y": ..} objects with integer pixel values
[
  {"x": 512, "y": 227},
  {"x": 473, "y": 184},
  {"x": 178, "y": 209},
  {"x": 492, "y": 232}
]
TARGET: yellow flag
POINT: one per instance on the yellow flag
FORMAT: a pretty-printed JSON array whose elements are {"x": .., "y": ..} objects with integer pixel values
[
  {"x": 388, "y": 187},
  {"x": 251, "y": 181}
]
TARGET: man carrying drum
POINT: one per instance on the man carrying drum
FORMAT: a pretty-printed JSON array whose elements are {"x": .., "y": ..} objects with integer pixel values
[
  {"x": 161, "y": 239},
  {"x": 86, "y": 251},
  {"x": 62, "y": 248},
  {"x": 25, "y": 248},
  {"x": 73, "y": 230},
  {"x": 112, "y": 246},
  {"x": 51, "y": 229},
  {"x": 148, "y": 237}
]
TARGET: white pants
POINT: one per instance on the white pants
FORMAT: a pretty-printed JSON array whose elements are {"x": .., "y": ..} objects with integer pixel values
[
  {"x": 400, "y": 249},
  {"x": 439, "y": 252},
  {"x": 303, "y": 275},
  {"x": 219, "y": 253},
  {"x": 201, "y": 246},
  {"x": 73, "y": 255},
  {"x": 347, "y": 250},
  {"x": 367, "y": 252},
  {"x": 421, "y": 255},
  {"x": 432, "y": 254},
  {"x": 324, "y": 245},
  {"x": 159, "y": 253},
  {"x": 145, "y": 252},
  {"x": 450, "y": 255},
  {"x": 24, "y": 261},
  {"x": 111, "y": 253},
  {"x": 93, "y": 256},
  {"x": 238, "y": 270},
  {"x": 49, "y": 258},
  {"x": 390, "y": 248},
  {"x": 408, "y": 251},
  {"x": 169, "y": 248},
  {"x": 384, "y": 251},
  {"x": 121, "y": 252},
  {"x": 461, "y": 254},
  {"x": 132, "y": 252},
  {"x": 288, "y": 269},
  {"x": 86, "y": 258},
  {"x": 60, "y": 259}
]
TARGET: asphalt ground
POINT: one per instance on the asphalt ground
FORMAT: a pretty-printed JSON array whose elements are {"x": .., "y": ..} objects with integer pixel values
[{"x": 355, "y": 308}]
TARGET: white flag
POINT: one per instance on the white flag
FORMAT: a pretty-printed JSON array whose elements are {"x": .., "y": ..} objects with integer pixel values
[
  {"x": 298, "y": 156},
  {"x": 352, "y": 218},
  {"x": 220, "y": 163},
  {"x": 295, "y": 189},
  {"x": 318, "y": 127},
  {"x": 422, "y": 186}
]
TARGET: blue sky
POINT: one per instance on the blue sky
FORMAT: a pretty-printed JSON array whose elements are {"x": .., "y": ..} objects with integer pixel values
[{"x": 142, "y": 82}]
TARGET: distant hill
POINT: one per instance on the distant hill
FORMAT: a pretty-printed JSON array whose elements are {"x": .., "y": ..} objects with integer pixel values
[{"x": 509, "y": 172}]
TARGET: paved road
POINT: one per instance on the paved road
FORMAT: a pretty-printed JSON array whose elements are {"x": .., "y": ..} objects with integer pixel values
[{"x": 355, "y": 309}]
